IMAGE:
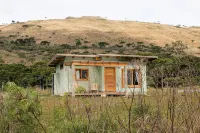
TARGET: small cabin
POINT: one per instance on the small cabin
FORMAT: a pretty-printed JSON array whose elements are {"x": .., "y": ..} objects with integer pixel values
[{"x": 99, "y": 74}]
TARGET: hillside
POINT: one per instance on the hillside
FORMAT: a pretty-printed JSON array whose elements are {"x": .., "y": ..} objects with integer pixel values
[{"x": 89, "y": 31}]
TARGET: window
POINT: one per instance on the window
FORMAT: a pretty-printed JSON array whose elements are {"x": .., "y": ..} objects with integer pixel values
[
  {"x": 61, "y": 66},
  {"x": 81, "y": 74},
  {"x": 133, "y": 78}
]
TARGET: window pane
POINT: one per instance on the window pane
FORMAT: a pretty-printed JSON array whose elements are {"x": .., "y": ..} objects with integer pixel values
[
  {"x": 61, "y": 66},
  {"x": 84, "y": 74},
  {"x": 129, "y": 77},
  {"x": 136, "y": 78},
  {"x": 78, "y": 74}
]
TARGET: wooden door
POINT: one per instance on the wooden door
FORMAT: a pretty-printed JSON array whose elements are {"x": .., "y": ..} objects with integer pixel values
[{"x": 110, "y": 79}]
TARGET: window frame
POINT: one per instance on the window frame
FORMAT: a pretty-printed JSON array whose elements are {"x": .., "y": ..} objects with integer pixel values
[
  {"x": 132, "y": 85},
  {"x": 81, "y": 79}
]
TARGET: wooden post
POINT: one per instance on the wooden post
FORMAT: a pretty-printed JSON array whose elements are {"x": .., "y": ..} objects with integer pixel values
[
  {"x": 125, "y": 80},
  {"x": 73, "y": 80}
]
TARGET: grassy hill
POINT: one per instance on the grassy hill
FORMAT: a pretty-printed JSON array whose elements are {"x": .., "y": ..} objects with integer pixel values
[{"x": 85, "y": 35}]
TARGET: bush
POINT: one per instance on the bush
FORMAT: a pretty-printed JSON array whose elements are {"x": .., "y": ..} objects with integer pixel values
[
  {"x": 128, "y": 44},
  {"x": 103, "y": 44},
  {"x": 178, "y": 26},
  {"x": 78, "y": 42},
  {"x": 80, "y": 89},
  {"x": 66, "y": 46},
  {"x": 20, "y": 110},
  {"x": 45, "y": 43},
  {"x": 24, "y": 42},
  {"x": 84, "y": 47}
]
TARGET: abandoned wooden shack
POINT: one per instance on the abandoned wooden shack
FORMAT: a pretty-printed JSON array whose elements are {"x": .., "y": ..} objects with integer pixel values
[{"x": 100, "y": 74}]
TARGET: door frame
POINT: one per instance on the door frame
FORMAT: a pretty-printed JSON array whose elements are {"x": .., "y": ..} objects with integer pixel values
[{"x": 105, "y": 79}]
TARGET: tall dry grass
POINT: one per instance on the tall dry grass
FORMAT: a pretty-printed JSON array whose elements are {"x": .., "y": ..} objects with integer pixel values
[{"x": 160, "y": 111}]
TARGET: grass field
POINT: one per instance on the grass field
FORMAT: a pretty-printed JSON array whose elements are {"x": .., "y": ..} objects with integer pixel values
[{"x": 160, "y": 111}]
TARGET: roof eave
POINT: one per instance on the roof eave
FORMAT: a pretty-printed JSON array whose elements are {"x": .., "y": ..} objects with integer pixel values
[{"x": 53, "y": 61}]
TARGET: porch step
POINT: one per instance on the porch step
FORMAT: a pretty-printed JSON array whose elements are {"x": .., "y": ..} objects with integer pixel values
[{"x": 102, "y": 94}]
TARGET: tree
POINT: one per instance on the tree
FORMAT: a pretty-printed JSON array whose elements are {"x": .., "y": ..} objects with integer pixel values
[
  {"x": 78, "y": 42},
  {"x": 102, "y": 44},
  {"x": 13, "y": 21}
]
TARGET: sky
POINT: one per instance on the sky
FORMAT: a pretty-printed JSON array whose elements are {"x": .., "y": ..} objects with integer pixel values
[{"x": 184, "y": 12}]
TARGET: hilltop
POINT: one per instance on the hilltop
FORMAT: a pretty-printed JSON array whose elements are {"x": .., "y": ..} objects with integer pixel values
[{"x": 89, "y": 31}]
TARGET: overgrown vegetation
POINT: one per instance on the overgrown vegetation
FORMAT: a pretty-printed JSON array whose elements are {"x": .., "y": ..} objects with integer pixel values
[
  {"x": 164, "y": 111},
  {"x": 20, "y": 110},
  {"x": 37, "y": 74}
]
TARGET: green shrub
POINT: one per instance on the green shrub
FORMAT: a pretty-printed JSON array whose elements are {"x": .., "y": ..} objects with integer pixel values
[
  {"x": 20, "y": 110},
  {"x": 80, "y": 89},
  {"x": 128, "y": 44},
  {"x": 84, "y": 47},
  {"x": 78, "y": 42},
  {"x": 66, "y": 46},
  {"x": 178, "y": 26},
  {"x": 103, "y": 44},
  {"x": 24, "y": 42},
  {"x": 45, "y": 43}
]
